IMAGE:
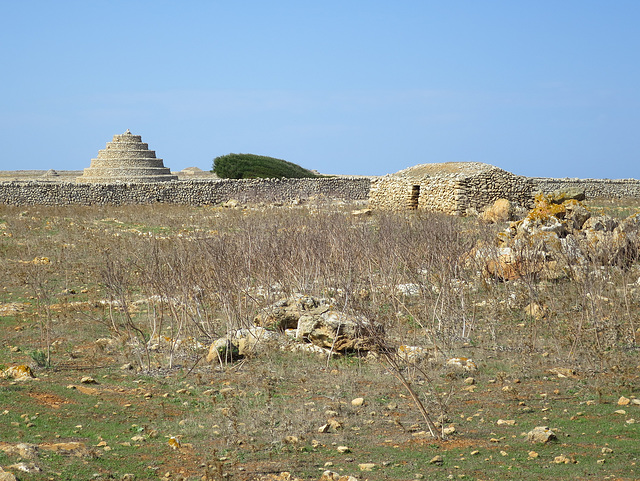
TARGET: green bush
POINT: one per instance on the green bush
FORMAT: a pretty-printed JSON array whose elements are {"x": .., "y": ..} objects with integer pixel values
[{"x": 250, "y": 166}]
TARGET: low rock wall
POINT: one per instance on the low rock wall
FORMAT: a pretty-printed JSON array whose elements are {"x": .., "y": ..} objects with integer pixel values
[
  {"x": 593, "y": 188},
  {"x": 191, "y": 192}
]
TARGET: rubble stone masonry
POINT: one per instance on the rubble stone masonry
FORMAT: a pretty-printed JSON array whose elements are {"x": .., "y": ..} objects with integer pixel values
[{"x": 190, "y": 192}]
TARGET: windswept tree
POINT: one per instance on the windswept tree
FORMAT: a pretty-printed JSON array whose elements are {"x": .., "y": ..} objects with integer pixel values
[{"x": 251, "y": 166}]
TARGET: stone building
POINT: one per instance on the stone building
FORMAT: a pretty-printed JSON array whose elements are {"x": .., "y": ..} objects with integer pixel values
[
  {"x": 456, "y": 188},
  {"x": 126, "y": 159}
]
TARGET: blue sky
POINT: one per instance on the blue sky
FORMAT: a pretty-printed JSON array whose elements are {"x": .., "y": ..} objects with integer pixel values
[{"x": 538, "y": 88}]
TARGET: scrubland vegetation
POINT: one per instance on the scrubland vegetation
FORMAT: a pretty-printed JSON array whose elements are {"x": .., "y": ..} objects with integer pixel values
[
  {"x": 133, "y": 296},
  {"x": 251, "y": 166}
]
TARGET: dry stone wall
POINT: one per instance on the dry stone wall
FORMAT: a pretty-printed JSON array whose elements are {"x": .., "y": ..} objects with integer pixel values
[
  {"x": 593, "y": 188},
  {"x": 193, "y": 192},
  {"x": 449, "y": 192}
]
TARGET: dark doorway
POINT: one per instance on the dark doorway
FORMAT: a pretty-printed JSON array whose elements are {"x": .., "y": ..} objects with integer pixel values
[{"x": 415, "y": 196}]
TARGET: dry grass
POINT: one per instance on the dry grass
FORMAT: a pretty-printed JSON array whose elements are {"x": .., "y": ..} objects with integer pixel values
[{"x": 151, "y": 272}]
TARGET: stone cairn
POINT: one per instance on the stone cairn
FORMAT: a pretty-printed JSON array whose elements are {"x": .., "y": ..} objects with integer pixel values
[{"x": 126, "y": 159}]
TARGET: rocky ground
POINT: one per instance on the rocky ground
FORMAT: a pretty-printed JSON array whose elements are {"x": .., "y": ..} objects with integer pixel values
[{"x": 364, "y": 370}]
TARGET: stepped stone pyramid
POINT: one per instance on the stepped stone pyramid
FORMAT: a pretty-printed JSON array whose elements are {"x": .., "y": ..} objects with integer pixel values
[{"x": 126, "y": 159}]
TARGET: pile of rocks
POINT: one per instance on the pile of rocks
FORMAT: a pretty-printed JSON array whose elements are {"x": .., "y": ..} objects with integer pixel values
[
  {"x": 304, "y": 323},
  {"x": 557, "y": 238}
]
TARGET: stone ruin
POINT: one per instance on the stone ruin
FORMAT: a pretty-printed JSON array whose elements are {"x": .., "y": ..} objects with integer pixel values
[
  {"x": 456, "y": 188},
  {"x": 126, "y": 159}
]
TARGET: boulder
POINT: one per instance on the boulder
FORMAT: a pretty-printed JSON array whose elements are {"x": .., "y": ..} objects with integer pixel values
[
  {"x": 331, "y": 476},
  {"x": 338, "y": 331},
  {"x": 541, "y": 434},
  {"x": 600, "y": 223},
  {"x": 509, "y": 265},
  {"x": 561, "y": 196},
  {"x": 576, "y": 214},
  {"x": 6, "y": 476},
  {"x": 285, "y": 313},
  {"x": 223, "y": 350},
  {"x": 243, "y": 342},
  {"x": 535, "y": 311},
  {"x": 253, "y": 340},
  {"x": 18, "y": 373},
  {"x": 502, "y": 210}
]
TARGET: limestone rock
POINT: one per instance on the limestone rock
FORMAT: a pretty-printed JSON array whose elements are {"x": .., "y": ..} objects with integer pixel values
[
  {"x": 253, "y": 339},
  {"x": 535, "y": 311},
  {"x": 223, "y": 350},
  {"x": 600, "y": 223},
  {"x": 285, "y": 313},
  {"x": 463, "y": 363},
  {"x": 541, "y": 434},
  {"x": 18, "y": 373},
  {"x": 24, "y": 450},
  {"x": 338, "y": 331},
  {"x": 413, "y": 354},
  {"x": 561, "y": 196},
  {"x": 562, "y": 459},
  {"x": 331, "y": 476},
  {"x": 75, "y": 449},
  {"x": 6, "y": 476},
  {"x": 284, "y": 476},
  {"x": 502, "y": 210}
]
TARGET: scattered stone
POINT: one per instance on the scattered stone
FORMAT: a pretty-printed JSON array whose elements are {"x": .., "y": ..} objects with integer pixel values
[
  {"x": 413, "y": 354},
  {"x": 533, "y": 455},
  {"x": 501, "y": 211},
  {"x": 88, "y": 380},
  {"x": 448, "y": 430},
  {"x": 623, "y": 401},
  {"x": 606, "y": 450},
  {"x": 470, "y": 381},
  {"x": 562, "y": 372},
  {"x": 541, "y": 434},
  {"x": 506, "y": 422},
  {"x": 6, "y": 476},
  {"x": 18, "y": 373},
  {"x": 535, "y": 311},
  {"x": 357, "y": 402},
  {"x": 462, "y": 363},
  {"x": 437, "y": 460},
  {"x": 562, "y": 459},
  {"x": 285, "y": 313},
  {"x": 331, "y": 476},
  {"x": 23, "y": 450},
  {"x": 324, "y": 428},
  {"x": 343, "y": 449},
  {"x": 366, "y": 466},
  {"x": 76, "y": 449},
  {"x": 362, "y": 212},
  {"x": 620, "y": 411},
  {"x": 25, "y": 467}
]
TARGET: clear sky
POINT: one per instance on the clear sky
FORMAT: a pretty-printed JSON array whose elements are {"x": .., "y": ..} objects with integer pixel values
[{"x": 537, "y": 87}]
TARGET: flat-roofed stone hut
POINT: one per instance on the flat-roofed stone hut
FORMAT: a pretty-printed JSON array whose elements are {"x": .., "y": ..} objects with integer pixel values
[
  {"x": 126, "y": 159},
  {"x": 456, "y": 188}
]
